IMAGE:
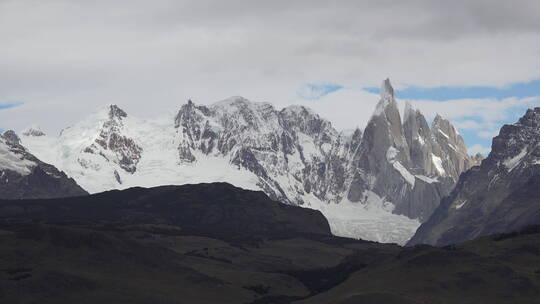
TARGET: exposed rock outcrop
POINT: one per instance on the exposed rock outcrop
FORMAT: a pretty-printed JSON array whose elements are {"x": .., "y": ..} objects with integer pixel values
[
  {"x": 500, "y": 195},
  {"x": 23, "y": 176}
]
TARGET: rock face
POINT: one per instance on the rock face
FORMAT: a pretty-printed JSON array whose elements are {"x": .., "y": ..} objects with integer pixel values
[
  {"x": 393, "y": 172},
  {"x": 33, "y": 131},
  {"x": 409, "y": 164},
  {"x": 113, "y": 145},
  {"x": 23, "y": 176},
  {"x": 500, "y": 195}
]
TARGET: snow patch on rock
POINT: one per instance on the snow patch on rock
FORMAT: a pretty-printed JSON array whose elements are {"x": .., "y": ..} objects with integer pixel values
[
  {"x": 427, "y": 179},
  {"x": 9, "y": 160},
  {"x": 437, "y": 162},
  {"x": 391, "y": 155},
  {"x": 512, "y": 162}
]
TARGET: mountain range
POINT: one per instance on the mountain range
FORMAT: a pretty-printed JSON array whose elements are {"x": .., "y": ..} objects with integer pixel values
[{"x": 378, "y": 184}]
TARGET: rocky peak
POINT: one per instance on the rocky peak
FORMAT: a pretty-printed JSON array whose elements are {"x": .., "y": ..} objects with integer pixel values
[
  {"x": 387, "y": 91},
  {"x": 383, "y": 158},
  {"x": 116, "y": 112},
  {"x": 305, "y": 120},
  {"x": 112, "y": 144},
  {"x": 450, "y": 148},
  {"x": 444, "y": 131},
  {"x": 442, "y": 125},
  {"x": 384, "y": 130},
  {"x": 409, "y": 112},
  {"x": 516, "y": 141},
  {"x": 194, "y": 130},
  {"x": 190, "y": 114},
  {"x": 531, "y": 119},
  {"x": 12, "y": 137},
  {"x": 419, "y": 139},
  {"x": 239, "y": 114},
  {"x": 33, "y": 131},
  {"x": 495, "y": 197}
]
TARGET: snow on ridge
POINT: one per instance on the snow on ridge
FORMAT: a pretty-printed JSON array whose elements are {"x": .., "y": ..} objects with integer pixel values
[
  {"x": 231, "y": 103},
  {"x": 426, "y": 179},
  {"x": 9, "y": 160},
  {"x": 33, "y": 130},
  {"x": 404, "y": 172},
  {"x": 443, "y": 134},
  {"x": 513, "y": 162},
  {"x": 391, "y": 155},
  {"x": 459, "y": 204},
  {"x": 298, "y": 109}
]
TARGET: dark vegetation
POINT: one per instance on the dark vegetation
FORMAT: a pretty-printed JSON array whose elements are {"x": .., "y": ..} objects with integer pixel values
[{"x": 213, "y": 243}]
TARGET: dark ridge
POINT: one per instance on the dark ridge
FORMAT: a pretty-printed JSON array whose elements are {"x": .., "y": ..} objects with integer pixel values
[
  {"x": 214, "y": 243},
  {"x": 218, "y": 209},
  {"x": 533, "y": 229}
]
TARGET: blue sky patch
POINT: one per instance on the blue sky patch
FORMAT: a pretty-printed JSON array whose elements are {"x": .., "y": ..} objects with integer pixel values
[
  {"x": 519, "y": 90},
  {"x": 9, "y": 105},
  {"x": 474, "y": 137}
]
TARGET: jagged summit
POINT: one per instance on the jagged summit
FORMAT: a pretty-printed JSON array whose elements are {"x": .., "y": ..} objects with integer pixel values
[
  {"x": 33, "y": 131},
  {"x": 387, "y": 105},
  {"x": 387, "y": 91},
  {"x": 439, "y": 120},
  {"x": 408, "y": 111},
  {"x": 115, "y": 112},
  {"x": 299, "y": 109},
  {"x": 233, "y": 101},
  {"x": 499, "y": 195},
  {"x": 109, "y": 111},
  {"x": 518, "y": 142},
  {"x": 531, "y": 118},
  {"x": 12, "y": 137}
]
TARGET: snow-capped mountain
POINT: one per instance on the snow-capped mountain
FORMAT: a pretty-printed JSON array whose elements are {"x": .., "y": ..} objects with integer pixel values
[
  {"x": 23, "y": 176},
  {"x": 378, "y": 184},
  {"x": 500, "y": 195}
]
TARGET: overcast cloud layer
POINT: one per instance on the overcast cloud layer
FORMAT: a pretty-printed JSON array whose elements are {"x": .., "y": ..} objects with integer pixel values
[{"x": 62, "y": 59}]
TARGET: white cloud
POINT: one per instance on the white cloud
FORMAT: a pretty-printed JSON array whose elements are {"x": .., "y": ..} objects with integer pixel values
[
  {"x": 347, "y": 108},
  {"x": 477, "y": 148},
  {"x": 483, "y": 116},
  {"x": 488, "y": 133},
  {"x": 65, "y": 58},
  {"x": 312, "y": 91}
]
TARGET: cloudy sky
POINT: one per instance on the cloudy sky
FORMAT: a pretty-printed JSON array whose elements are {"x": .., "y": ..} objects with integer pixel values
[{"x": 475, "y": 62}]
